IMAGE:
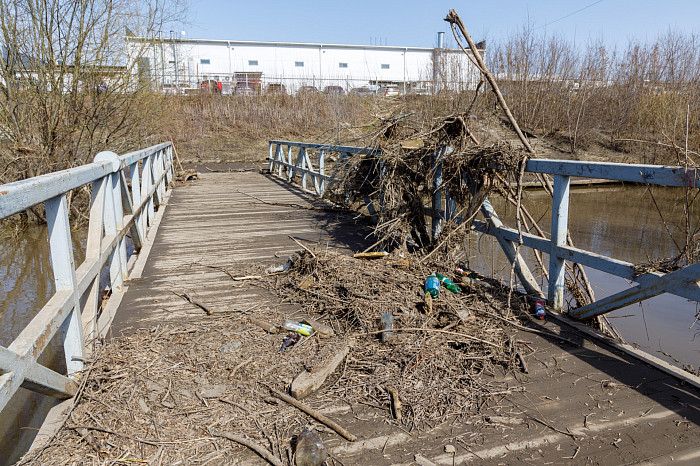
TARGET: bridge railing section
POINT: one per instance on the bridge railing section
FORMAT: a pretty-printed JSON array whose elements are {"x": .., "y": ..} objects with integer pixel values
[
  {"x": 126, "y": 190},
  {"x": 309, "y": 162},
  {"x": 682, "y": 282}
]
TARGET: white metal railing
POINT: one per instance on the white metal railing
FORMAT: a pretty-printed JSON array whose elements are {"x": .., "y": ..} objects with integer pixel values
[
  {"x": 283, "y": 161},
  {"x": 683, "y": 282},
  {"x": 125, "y": 193}
]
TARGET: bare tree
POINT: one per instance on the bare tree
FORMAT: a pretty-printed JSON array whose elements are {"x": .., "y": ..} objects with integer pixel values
[{"x": 67, "y": 86}]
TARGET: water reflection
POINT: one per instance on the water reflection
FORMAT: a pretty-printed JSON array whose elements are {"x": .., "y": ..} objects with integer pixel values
[
  {"x": 26, "y": 284},
  {"x": 623, "y": 223}
]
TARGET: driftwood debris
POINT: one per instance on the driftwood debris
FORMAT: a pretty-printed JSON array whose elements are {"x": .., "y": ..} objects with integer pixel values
[
  {"x": 265, "y": 454},
  {"x": 268, "y": 327},
  {"x": 395, "y": 402},
  {"x": 197, "y": 302},
  {"x": 315, "y": 414},
  {"x": 308, "y": 382},
  {"x": 321, "y": 329}
]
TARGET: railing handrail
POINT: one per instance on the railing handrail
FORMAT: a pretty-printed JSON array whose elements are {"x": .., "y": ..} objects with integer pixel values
[
  {"x": 20, "y": 195},
  {"x": 116, "y": 209},
  {"x": 630, "y": 172},
  {"x": 328, "y": 147}
]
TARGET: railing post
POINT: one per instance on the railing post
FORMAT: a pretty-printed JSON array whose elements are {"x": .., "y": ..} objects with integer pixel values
[
  {"x": 302, "y": 156},
  {"x": 156, "y": 171},
  {"x": 112, "y": 221},
  {"x": 560, "y": 218},
  {"x": 169, "y": 164},
  {"x": 139, "y": 221},
  {"x": 92, "y": 253},
  {"x": 437, "y": 193},
  {"x": 322, "y": 172},
  {"x": 279, "y": 157},
  {"x": 63, "y": 265},
  {"x": 290, "y": 171},
  {"x": 272, "y": 160},
  {"x": 146, "y": 183},
  {"x": 163, "y": 167}
]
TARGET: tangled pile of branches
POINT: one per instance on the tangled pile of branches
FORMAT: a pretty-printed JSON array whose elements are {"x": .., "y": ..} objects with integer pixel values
[{"x": 411, "y": 163}]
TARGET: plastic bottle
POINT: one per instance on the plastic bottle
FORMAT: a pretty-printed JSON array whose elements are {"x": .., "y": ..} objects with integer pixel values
[
  {"x": 387, "y": 324},
  {"x": 310, "y": 450},
  {"x": 449, "y": 284},
  {"x": 298, "y": 327},
  {"x": 539, "y": 309},
  {"x": 432, "y": 285}
]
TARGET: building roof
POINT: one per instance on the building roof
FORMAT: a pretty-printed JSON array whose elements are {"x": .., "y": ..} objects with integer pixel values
[{"x": 283, "y": 44}]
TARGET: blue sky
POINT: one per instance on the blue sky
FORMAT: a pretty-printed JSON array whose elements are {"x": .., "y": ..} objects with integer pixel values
[{"x": 416, "y": 23}]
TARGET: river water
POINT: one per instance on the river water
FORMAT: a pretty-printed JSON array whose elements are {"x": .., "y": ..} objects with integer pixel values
[
  {"x": 620, "y": 222},
  {"x": 26, "y": 284}
]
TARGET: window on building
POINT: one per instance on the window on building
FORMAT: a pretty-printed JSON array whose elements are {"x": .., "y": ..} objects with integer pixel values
[
  {"x": 298, "y": 63},
  {"x": 385, "y": 66},
  {"x": 205, "y": 61},
  {"x": 252, "y": 63},
  {"x": 342, "y": 65}
]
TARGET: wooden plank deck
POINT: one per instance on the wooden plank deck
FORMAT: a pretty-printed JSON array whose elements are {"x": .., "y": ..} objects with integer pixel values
[
  {"x": 583, "y": 403},
  {"x": 237, "y": 221}
]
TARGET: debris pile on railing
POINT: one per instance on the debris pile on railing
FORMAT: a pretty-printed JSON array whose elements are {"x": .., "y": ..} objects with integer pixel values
[{"x": 404, "y": 177}]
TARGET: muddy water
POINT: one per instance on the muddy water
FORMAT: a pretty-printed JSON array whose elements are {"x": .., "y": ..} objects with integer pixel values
[
  {"x": 619, "y": 222},
  {"x": 26, "y": 284}
]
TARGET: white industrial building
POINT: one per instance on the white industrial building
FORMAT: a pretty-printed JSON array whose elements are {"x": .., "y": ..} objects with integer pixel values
[{"x": 190, "y": 62}]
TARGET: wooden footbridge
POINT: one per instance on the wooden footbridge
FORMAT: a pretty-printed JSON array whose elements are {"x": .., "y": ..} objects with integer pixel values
[{"x": 596, "y": 402}]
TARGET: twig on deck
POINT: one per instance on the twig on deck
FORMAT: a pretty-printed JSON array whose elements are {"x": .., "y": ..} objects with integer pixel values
[{"x": 264, "y": 453}]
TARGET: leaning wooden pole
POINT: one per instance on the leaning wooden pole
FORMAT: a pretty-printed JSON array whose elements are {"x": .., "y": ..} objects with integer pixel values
[{"x": 454, "y": 20}]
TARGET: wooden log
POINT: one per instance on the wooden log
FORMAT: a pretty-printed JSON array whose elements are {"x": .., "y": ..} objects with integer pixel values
[
  {"x": 321, "y": 329},
  {"x": 314, "y": 414},
  {"x": 268, "y": 327},
  {"x": 308, "y": 382},
  {"x": 395, "y": 402},
  {"x": 194, "y": 300}
]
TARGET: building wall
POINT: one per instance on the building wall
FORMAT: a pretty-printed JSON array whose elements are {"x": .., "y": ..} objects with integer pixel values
[{"x": 189, "y": 62}]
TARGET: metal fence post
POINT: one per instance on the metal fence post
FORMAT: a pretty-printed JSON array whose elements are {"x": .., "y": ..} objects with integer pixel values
[
  {"x": 304, "y": 166},
  {"x": 111, "y": 218},
  {"x": 146, "y": 184},
  {"x": 290, "y": 171},
  {"x": 322, "y": 172},
  {"x": 63, "y": 265},
  {"x": 437, "y": 193},
  {"x": 136, "y": 200},
  {"x": 560, "y": 218}
]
